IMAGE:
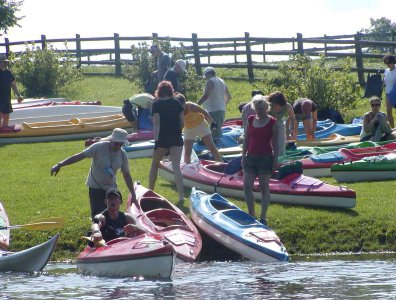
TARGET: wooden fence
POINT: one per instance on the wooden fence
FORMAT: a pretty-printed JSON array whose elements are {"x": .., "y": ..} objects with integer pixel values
[{"x": 247, "y": 52}]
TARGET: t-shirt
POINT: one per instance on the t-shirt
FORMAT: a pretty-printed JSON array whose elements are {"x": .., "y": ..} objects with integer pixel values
[
  {"x": 171, "y": 76},
  {"x": 104, "y": 166},
  {"x": 6, "y": 78},
  {"x": 389, "y": 79},
  {"x": 169, "y": 111},
  {"x": 260, "y": 137}
]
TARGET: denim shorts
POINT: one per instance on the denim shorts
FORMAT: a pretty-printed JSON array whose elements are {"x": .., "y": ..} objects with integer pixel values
[{"x": 258, "y": 164}]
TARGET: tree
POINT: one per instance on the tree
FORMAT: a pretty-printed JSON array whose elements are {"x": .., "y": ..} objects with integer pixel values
[
  {"x": 8, "y": 18},
  {"x": 380, "y": 30}
]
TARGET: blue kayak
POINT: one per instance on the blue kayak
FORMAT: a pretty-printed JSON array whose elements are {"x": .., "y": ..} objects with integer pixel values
[
  {"x": 224, "y": 142},
  {"x": 341, "y": 129},
  {"x": 234, "y": 228}
]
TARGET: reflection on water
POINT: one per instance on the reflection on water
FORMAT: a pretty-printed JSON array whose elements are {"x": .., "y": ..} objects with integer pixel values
[{"x": 319, "y": 278}]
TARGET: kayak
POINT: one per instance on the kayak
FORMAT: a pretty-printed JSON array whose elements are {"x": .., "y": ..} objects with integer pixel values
[
  {"x": 144, "y": 255},
  {"x": 30, "y": 260},
  {"x": 74, "y": 128},
  {"x": 139, "y": 149},
  {"x": 223, "y": 142},
  {"x": 294, "y": 188},
  {"x": 24, "y": 105},
  {"x": 38, "y": 100},
  {"x": 61, "y": 113},
  {"x": 157, "y": 215},
  {"x": 234, "y": 228},
  {"x": 372, "y": 168},
  {"x": 331, "y": 128},
  {"x": 320, "y": 165},
  {"x": 331, "y": 140},
  {"x": 4, "y": 233}
]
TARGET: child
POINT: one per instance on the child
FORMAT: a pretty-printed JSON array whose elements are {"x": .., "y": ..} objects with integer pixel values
[
  {"x": 390, "y": 83},
  {"x": 7, "y": 81}
]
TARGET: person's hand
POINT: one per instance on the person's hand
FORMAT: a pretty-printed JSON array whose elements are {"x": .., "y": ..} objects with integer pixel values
[
  {"x": 55, "y": 169},
  {"x": 132, "y": 230},
  {"x": 96, "y": 237}
]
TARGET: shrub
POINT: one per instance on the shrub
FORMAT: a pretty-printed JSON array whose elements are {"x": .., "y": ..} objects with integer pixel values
[{"x": 43, "y": 71}]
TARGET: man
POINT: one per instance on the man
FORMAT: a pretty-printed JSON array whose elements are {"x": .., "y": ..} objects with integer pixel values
[
  {"x": 163, "y": 61},
  {"x": 215, "y": 98},
  {"x": 7, "y": 81},
  {"x": 112, "y": 223},
  {"x": 107, "y": 157},
  {"x": 174, "y": 73}
]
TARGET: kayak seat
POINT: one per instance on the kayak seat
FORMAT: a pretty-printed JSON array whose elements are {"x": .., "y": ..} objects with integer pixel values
[
  {"x": 239, "y": 216},
  {"x": 152, "y": 203},
  {"x": 217, "y": 167},
  {"x": 165, "y": 217},
  {"x": 221, "y": 205}
]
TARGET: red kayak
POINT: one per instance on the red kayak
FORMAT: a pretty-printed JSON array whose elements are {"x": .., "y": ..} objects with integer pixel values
[
  {"x": 52, "y": 103},
  {"x": 320, "y": 165},
  {"x": 140, "y": 135},
  {"x": 144, "y": 255},
  {"x": 294, "y": 188},
  {"x": 156, "y": 214}
]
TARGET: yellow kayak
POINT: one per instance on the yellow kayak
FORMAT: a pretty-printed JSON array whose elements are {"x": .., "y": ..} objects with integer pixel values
[{"x": 332, "y": 140}]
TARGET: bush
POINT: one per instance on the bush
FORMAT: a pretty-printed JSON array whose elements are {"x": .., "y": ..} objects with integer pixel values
[
  {"x": 302, "y": 77},
  {"x": 144, "y": 64},
  {"x": 43, "y": 71}
]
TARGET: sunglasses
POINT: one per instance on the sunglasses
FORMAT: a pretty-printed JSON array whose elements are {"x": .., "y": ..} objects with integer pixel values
[{"x": 376, "y": 104}]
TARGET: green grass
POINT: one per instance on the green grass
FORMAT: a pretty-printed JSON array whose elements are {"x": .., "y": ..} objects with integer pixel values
[{"x": 29, "y": 192}]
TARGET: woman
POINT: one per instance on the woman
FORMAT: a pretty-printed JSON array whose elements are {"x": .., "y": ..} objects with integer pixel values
[
  {"x": 196, "y": 121},
  {"x": 375, "y": 125},
  {"x": 259, "y": 155},
  {"x": 279, "y": 108},
  {"x": 305, "y": 110},
  {"x": 390, "y": 84},
  {"x": 168, "y": 122}
]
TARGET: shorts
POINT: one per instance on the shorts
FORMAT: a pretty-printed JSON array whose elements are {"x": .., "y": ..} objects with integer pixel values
[
  {"x": 200, "y": 131},
  {"x": 218, "y": 118},
  {"x": 258, "y": 164},
  {"x": 302, "y": 117},
  {"x": 5, "y": 106},
  {"x": 169, "y": 141}
]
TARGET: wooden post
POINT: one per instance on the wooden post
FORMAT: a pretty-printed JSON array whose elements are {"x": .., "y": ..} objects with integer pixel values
[
  {"x": 300, "y": 44},
  {"x": 392, "y": 40},
  {"x": 7, "y": 46},
  {"x": 78, "y": 51},
  {"x": 155, "y": 36},
  {"x": 359, "y": 58},
  {"x": 325, "y": 46},
  {"x": 264, "y": 53},
  {"x": 249, "y": 57},
  {"x": 117, "y": 55},
  {"x": 235, "y": 56},
  {"x": 197, "y": 58},
  {"x": 208, "y": 54},
  {"x": 43, "y": 42}
]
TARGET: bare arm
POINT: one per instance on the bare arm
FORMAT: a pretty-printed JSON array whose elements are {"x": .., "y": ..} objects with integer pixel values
[
  {"x": 198, "y": 109},
  {"x": 208, "y": 89},
  {"x": 16, "y": 92},
  {"x": 227, "y": 95},
  {"x": 68, "y": 161},
  {"x": 314, "y": 121},
  {"x": 129, "y": 183},
  {"x": 290, "y": 123},
  {"x": 275, "y": 146},
  {"x": 156, "y": 125},
  {"x": 245, "y": 144}
]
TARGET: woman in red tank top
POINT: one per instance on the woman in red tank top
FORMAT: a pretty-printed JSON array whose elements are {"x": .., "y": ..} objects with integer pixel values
[{"x": 259, "y": 155}]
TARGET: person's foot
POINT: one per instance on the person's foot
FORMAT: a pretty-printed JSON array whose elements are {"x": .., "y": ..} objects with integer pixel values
[{"x": 263, "y": 221}]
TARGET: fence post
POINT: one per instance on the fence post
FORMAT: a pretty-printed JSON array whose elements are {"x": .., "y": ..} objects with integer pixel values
[
  {"x": 197, "y": 58},
  {"x": 235, "y": 49},
  {"x": 393, "y": 39},
  {"x": 300, "y": 44},
  {"x": 325, "y": 45},
  {"x": 359, "y": 58},
  {"x": 154, "y": 35},
  {"x": 117, "y": 55},
  {"x": 78, "y": 51},
  {"x": 249, "y": 57},
  {"x": 7, "y": 46},
  {"x": 264, "y": 53},
  {"x": 208, "y": 54},
  {"x": 43, "y": 42}
]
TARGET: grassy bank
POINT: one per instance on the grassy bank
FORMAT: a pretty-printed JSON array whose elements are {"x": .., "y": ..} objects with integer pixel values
[{"x": 30, "y": 193}]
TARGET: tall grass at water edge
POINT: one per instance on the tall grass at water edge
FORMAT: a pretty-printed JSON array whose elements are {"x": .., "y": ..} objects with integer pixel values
[{"x": 29, "y": 193}]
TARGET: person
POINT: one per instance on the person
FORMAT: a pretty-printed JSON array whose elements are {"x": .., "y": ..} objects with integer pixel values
[
  {"x": 163, "y": 61},
  {"x": 174, "y": 73},
  {"x": 376, "y": 127},
  {"x": 107, "y": 157},
  {"x": 259, "y": 155},
  {"x": 305, "y": 110},
  {"x": 279, "y": 109},
  {"x": 7, "y": 82},
  {"x": 137, "y": 110},
  {"x": 247, "y": 110},
  {"x": 215, "y": 98},
  {"x": 390, "y": 84},
  {"x": 168, "y": 122},
  {"x": 112, "y": 223},
  {"x": 196, "y": 124}
]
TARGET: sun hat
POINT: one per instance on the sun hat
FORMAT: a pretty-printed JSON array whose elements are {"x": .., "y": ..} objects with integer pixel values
[
  {"x": 374, "y": 98},
  {"x": 113, "y": 191},
  {"x": 182, "y": 65},
  {"x": 119, "y": 135},
  {"x": 3, "y": 57},
  {"x": 208, "y": 70}
]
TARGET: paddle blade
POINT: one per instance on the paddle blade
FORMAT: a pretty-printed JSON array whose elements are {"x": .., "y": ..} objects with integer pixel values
[{"x": 43, "y": 224}]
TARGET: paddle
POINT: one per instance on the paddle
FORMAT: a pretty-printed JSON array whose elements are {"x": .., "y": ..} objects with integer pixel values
[{"x": 42, "y": 224}]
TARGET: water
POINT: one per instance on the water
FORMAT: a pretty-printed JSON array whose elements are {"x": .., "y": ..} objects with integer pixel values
[{"x": 358, "y": 277}]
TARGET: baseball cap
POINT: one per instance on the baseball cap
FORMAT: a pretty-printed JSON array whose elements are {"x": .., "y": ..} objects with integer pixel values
[
  {"x": 208, "y": 70},
  {"x": 114, "y": 191},
  {"x": 182, "y": 64}
]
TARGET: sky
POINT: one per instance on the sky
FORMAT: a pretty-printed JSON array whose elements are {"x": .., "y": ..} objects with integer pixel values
[{"x": 207, "y": 18}]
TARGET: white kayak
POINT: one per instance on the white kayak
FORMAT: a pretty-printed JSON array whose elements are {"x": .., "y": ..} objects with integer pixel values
[{"x": 61, "y": 113}]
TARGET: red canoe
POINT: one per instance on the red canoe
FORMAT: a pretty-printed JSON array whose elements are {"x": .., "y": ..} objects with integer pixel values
[
  {"x": 294, "y": 188},
  {"x": 158, "y": 215}
]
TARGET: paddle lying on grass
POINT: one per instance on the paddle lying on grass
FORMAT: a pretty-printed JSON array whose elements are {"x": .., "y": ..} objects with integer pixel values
[{"x": 42, "y": 224}]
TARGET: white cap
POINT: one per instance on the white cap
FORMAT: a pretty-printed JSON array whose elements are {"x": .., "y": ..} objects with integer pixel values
[
  {"x": 119, "y": 135},
  {"x": 182, "y": 65},
  {"x": 208, "y": 69}
]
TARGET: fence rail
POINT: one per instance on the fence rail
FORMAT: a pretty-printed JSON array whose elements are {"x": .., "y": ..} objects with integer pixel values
[{"x": 246, "y": 52}]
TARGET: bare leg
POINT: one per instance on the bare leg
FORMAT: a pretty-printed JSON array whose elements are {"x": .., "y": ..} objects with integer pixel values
[
  {"x": 264, "y": 181},
  {"x": 188, "y": 144},
  {"x": 175, "y": 154},
  {"x": 6, "y": 118},
  {"x": 158, "y": 154},
  {"x": 1, "y": 120},
  {"x": 248, "y": 185},
  {"x": 309, "y": 131},
  {"x": 208, "y": 140},
  {"x": 389, "y": 112}
]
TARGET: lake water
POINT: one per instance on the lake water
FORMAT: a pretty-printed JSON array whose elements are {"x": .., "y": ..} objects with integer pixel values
[{"x": 341, "y": 277}]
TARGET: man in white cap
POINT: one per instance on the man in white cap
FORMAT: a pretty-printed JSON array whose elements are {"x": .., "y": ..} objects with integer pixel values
[
  {"x": 163, "y": 61},
  {"x": 174, "y": 73},
  {"x": 215, "y": 98},
  {"x": 7, "y": 81},
  {"x": 107, "y": 157}
]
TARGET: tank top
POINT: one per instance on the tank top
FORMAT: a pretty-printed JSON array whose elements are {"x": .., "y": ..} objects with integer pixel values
[
  {"x": 216, "y": 100},
  {"x": 260, "y": 137},
  {"x": 279, "y": 116},
  {"x": 113, "y": 228},
  {"x": 192, "y": 119}
]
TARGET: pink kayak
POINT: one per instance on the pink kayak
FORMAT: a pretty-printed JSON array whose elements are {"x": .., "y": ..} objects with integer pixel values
[
  {"x": 51, "y": 103},
  {"x": 294, "y": 188},
  {"x": 156, "y": 214},
  {"x": 320, "y": 165}
]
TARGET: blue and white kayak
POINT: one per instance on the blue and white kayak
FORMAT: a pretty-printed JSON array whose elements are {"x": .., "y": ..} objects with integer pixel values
[
  {"x": 330, "y": 128},
  {"x": 234, "y": 228},
  {"x": 139, "y": 149},
  {"x": 224, "y": 142}
]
